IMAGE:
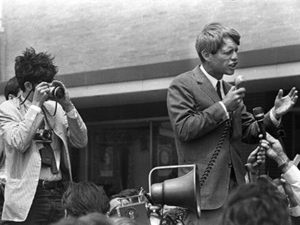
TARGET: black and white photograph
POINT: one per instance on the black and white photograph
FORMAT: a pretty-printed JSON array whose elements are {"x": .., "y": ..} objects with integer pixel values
[{"x": 149, "y": 112}]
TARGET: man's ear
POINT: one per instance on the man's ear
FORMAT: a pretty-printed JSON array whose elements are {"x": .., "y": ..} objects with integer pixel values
[
  {"x": 28, "y": 86},
  {"x": 11, "y": 96},
  {"x": 206, "y": 55}
]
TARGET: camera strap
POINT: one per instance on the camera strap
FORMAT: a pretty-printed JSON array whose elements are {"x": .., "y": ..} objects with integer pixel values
[
  {"x": 48, "y": 158},
  {"x": 47, "y": 152},
  {"x": 46, "y": 121},
  {"x": 45, "y": 111},
  {"x": 26, "y": 97}
]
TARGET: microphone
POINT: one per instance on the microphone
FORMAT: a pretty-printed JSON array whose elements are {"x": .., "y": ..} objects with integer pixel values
[
  {"x": 258, "y": 113},
  {"x": 238, "y": 81}
]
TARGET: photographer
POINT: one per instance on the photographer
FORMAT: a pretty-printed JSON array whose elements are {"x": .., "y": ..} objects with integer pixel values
[{"x": 36, "y": 132}]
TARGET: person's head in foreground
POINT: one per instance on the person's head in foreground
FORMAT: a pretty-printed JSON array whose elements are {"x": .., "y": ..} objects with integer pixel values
[{"x": 257, "y": 203}]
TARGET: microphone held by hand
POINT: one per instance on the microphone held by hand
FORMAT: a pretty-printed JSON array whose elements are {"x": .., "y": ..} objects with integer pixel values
[
  {"x": 258, "y": 113},
  {"x": 238, "y": 81}
]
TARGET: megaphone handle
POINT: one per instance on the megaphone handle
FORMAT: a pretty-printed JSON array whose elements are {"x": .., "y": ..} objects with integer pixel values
[{"x": 148, "y": 198}]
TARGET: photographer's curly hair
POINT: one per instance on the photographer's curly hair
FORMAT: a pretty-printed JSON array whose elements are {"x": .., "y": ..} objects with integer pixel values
[
  {"x": 34, "y": 67},
  {"x": 257, "y": 203}
]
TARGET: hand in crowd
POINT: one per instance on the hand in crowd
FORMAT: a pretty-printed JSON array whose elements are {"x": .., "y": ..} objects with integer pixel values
[
  {"x": 283, "y": 104},
  {"x": 286, "y": 189},
  {"x": 258, "y": 156},
  {"x": 233, "y": 98},
  {"x": 275, "y": 151}
]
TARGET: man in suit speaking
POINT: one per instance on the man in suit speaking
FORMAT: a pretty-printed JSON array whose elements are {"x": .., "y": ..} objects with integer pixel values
[{"x": 208, "y": 117}]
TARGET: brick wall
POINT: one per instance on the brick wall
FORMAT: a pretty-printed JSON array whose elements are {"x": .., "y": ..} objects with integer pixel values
[{"x": 88, "y": 35}]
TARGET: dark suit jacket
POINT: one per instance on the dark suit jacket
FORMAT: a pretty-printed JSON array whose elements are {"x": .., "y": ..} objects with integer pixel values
[{"x": 198, "y": 121}]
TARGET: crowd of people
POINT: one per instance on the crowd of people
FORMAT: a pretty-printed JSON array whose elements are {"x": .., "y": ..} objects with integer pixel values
[{"x": 39, "y": 124}]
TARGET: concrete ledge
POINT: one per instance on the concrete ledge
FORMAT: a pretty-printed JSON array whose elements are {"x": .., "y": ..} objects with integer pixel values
[{"x": 257, "y": 79}]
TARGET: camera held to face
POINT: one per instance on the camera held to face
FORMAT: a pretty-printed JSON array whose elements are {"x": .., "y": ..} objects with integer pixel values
[
  {"x": 43, "y": 136},
  {"x": 56, "y": 92}
]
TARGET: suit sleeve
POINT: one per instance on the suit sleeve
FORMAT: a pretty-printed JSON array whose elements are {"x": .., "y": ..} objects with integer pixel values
[{"x": 188, "y": 121}]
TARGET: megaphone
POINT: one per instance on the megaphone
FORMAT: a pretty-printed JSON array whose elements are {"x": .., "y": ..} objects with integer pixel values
[{"x": 183, "y": 191}]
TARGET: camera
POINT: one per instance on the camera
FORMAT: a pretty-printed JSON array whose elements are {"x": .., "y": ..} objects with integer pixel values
[
  {"x": 133, "y": 207},
  {"x": 43, "y": 136},
  {"x": 57, "y": 92}
]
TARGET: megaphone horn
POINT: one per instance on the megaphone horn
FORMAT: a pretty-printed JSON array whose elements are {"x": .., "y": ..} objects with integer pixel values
[{"x": 183, "y": 191}]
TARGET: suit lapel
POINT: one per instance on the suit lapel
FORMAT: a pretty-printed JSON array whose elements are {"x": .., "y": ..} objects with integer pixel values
[
  {"x": 227, "y": 87},
  {"x": 205, "y": 84}
]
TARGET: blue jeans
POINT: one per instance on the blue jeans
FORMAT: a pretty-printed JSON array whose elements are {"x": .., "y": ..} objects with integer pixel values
[{"x": 46, "y": 207}]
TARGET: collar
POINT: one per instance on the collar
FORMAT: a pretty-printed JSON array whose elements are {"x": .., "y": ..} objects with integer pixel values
[
  {"x": 25, "y": 104},
  {"x": 212, "y": 80}
]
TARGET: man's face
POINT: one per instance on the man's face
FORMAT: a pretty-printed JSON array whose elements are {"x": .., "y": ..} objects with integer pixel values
[{"x": 226, "y": 59}]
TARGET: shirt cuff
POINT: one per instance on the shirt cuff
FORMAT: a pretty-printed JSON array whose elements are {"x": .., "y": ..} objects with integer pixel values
[
  {"x": 273, "y": 119},
  {"x": 292, "y": 175},
  {"x": 36, "y": 108},
  {"x": 224, "y": 107},
  {"x": 72, "y": 114},
  {"x": 294, "y": 211}
]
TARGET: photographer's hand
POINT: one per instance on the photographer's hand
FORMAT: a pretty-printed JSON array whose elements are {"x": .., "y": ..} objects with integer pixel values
[
  {"x": 41, "y": 94},
  {"x": 65, "y": 102}
]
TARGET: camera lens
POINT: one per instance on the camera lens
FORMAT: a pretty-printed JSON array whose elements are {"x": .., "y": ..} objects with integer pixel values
[
  {"x": 43, "y": 136},
  {"x": 47, "y": 134},
  {"x": 57, "y": 92}
]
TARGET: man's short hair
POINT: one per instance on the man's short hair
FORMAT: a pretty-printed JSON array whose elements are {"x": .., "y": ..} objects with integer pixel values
[
  {"x": 11, "y": 88},
  {"x": 83, "y": 198},
  {"x": 257, "y": 203},
  {"x": 211, "y": 38},
  {"x": 34, "y": 67}
]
